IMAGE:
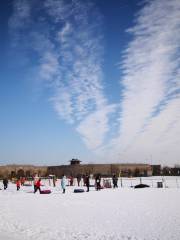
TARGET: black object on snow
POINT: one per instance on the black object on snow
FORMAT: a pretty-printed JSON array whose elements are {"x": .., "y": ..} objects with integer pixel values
[
  {"x": 141, "y": 186},
  {"x": 78, "y": 190},
  {"x": 159, "y": 184},
  {"x": 45, "y": 191}
]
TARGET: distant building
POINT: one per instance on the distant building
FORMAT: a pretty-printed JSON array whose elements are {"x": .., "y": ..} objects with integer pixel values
[
  {"x": 75, "y": 168},
  {"x": 75, "y": 161},
  {"x": 124, "y": 170}
]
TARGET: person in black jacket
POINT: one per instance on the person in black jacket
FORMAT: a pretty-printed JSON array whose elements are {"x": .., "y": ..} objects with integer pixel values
[
  {"x": 115, "y": 181},
  {"x": 98, "y": 182},
  {"x": 78, "y": 179},
  {"x": 87, "y": 182},
  {"x": 5, "y": 183}
]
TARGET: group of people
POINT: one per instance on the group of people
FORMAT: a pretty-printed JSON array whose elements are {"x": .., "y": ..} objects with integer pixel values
[
  {"x": 86, "y": 180},
  {"x": 19, "y": 183},
  {"x": 98, "y": 182}
]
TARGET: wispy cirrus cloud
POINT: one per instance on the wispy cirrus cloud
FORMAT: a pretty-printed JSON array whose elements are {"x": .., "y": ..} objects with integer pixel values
[
  {"x": 96, "y": 124},
  {"x": 67, "y": 41},
  {"x": 149, "y": 121}
]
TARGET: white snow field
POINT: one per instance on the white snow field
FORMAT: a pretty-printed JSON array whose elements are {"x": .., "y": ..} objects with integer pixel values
[{"x": 110, "y": 214}]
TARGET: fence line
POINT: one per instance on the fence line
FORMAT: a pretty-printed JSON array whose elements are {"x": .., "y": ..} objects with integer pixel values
[
  {"x": 126, "y": 182},
  {"x": 123, "y": 182},
  {"x": 152, "y": 182}
]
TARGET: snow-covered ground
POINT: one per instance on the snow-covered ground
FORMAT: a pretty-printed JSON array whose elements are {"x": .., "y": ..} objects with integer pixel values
[{"x": 110, "y": 214}]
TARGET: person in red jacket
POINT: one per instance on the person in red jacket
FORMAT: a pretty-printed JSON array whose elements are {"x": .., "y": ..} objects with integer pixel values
[
  {"x": 71, "y": 180},
  {"x": 18, "y": 184},
  {"x": 37, "y": 186}
]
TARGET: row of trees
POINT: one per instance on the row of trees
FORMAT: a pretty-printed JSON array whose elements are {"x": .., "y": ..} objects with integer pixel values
[
  {"x": 19, "y": 173},
  {"x": 157, "y": 170}
]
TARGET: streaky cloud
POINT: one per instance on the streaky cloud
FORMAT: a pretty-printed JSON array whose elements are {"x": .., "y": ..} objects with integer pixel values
[
  {"x": 95, "y": 126},
  {"x": 69, "y": 58},
  {"x": 149, "y": 121}
]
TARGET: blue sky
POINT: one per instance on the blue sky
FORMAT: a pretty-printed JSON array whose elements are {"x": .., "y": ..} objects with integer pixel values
[{"x": 94, "y": 80}]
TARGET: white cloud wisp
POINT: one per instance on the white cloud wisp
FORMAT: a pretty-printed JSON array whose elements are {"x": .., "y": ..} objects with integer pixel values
[
  {"x": 69, "y": 61},
  {"x": 150, "y": 118}
]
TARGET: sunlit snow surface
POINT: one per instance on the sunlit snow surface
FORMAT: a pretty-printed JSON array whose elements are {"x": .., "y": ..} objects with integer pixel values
[{"x": 110, "y": 214}]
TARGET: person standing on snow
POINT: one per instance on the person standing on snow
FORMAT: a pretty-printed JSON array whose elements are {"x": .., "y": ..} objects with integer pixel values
[
  {"x": 63, "y": 183},
  {"x": 5, "y": 183},
  {"x": 71, "y": 180},
  {"x": 87, "y": 182},
  {"x": 115, "y": 181},
  {"x": 37, "y": 186},
  {"x": 54, "y": 181},
  {"x": 18, "y": 184},
  {"x": 78, "y": 179},
  {"x": 98, "y": 182},
  {"x": 34, "y": 183}
]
